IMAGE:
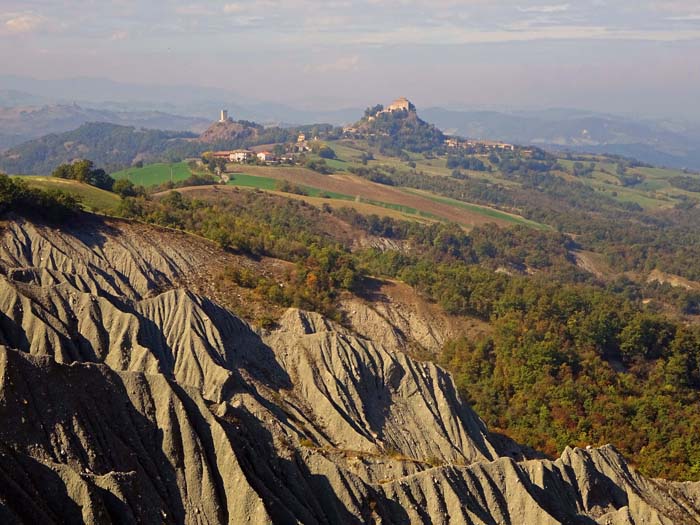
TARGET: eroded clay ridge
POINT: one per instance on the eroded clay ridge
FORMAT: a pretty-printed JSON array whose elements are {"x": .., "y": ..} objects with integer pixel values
[{"x": 126, "y": 397}]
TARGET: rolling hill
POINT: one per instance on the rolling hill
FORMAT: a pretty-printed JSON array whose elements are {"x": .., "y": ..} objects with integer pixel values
[
  {"x": 92, "y": 198},
  {"x": 22, "y": 123},
  {"x": 665, "y": 143},
  {"x": 155, "y": 392},
  {"x": 110, "y": 146}
]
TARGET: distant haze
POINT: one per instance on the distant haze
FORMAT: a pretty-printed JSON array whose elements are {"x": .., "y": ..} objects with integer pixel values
[{"x": 638, "y": 57}]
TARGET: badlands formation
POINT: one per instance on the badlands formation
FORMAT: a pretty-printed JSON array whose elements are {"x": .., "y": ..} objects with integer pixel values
[{"x": 128, "y": 396}]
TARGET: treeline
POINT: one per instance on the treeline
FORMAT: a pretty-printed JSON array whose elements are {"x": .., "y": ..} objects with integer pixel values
[
  {"x": 466, "y": 163},
  {"x": 84, "y": 171},
  {"x": 567, "y": 363},
  {"x": 686, "y": 183},
  {"x": 518, "y": 249}
]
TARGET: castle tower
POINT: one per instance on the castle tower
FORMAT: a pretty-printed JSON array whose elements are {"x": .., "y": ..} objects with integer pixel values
[
  {"x": 401, "y": 104},
  {"x": 224, "y": 115}
]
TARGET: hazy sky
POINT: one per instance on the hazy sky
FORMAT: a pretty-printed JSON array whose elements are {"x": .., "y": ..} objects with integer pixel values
[{"x": 637, "y": 56}]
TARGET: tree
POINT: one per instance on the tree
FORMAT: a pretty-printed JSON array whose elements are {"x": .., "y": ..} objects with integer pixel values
[
  {"x": 100, "y": 179},
  {"x": 124, "y": 188},
  {"x": 326, "y": 152},
  {"x": 318, "y": 165},
  {"x": 81, "y": 170},
  {"x": 370, "y": 112},
  {"x": 217, "y": 165},
  {"x": 63, "y": 171},
  {"x": 84, "y": 171},
  {"x": 646, "y": 337}
]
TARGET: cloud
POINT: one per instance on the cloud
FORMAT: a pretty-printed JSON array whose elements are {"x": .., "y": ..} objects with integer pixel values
[
  {"x": 119, "y": 35},
  {"x": 257, "y": 6},
  {"x": 458, "y": 36},
  {"x": 342, "y": 64},
  {"x": 194, "y": 10},
  {"x": 23, "y": 23},
  {"x": 234, "y": 8},
  {"x": 685, "y": 18},
  {"x": 545, "y": 9}
]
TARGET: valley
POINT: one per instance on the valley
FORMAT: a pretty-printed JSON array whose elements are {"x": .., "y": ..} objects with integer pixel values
[
  {"x": 349, "y": 427},
  {"x": 345, "y": 309},
  {"x": 354, "y": 263}
]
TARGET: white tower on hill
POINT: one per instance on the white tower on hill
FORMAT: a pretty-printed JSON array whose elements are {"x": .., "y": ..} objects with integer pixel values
[{"x": 224, "y": 116}]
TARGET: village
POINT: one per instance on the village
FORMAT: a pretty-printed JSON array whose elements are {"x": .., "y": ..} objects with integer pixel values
[
  {"x": 268, "y": 155},
  {"x": 294, "y": 152}
]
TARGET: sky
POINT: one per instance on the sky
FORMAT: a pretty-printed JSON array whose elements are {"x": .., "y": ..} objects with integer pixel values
[{"x": 638, "y": 57}]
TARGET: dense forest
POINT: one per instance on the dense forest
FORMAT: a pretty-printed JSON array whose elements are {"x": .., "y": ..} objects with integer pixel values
[{"x": 109, "y": 146}]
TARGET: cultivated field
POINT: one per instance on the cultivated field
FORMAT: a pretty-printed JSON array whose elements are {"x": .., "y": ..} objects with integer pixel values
[
  {"x": 155, "y": 174},
  {"x": 410, "y": 202}
]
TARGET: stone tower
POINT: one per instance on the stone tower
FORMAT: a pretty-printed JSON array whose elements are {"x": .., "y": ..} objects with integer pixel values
[{"x": 224, "y": 115}]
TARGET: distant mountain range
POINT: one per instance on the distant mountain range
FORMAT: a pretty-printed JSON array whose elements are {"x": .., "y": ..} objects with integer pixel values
[
  {"x": 666, "y": 143},
  {"x": 62, "y": 105},
  {"x": 24, "y": 123}
]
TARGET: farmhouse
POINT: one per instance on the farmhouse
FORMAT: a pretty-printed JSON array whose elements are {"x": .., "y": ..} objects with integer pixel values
[
  {"x": 239, "y": 155},
  {"x": 222, "y": 154},
  {"x": 482, "y": 144},
  {"x": 266, "y": 156}
]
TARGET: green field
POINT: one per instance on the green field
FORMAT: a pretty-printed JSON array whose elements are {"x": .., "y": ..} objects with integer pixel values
[
  {"x": 155, "y": 174},
  {"x": 92, "y": 198},
  {"x": 252, "y": 181}
]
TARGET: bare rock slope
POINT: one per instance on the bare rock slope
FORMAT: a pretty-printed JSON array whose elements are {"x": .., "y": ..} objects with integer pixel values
[{"x": 126, "y": 397}]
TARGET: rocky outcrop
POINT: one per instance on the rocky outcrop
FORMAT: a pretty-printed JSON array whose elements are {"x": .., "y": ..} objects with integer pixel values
[
  {"x": 82, "y": 443},
  {"x": 127, "y": 397},
  {"x": 367, "y": 399}
]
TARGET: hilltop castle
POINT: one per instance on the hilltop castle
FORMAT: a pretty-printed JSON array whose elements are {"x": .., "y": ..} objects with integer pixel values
[{"x": 400, "y": 104}]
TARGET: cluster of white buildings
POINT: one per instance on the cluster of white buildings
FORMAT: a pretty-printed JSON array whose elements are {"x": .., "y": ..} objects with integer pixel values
[
  {"x": 242, "y": 156},
  {"x": 245, "y": 155},
  {"x": 483, "y": 144}
]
